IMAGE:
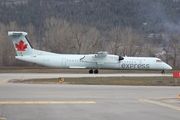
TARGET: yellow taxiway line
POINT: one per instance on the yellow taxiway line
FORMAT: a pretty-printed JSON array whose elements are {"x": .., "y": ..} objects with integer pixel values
[
  {"x": 161, "y": 104},
  {"x": 3, "y": 81},
  {"x": 47, "y": 102}
]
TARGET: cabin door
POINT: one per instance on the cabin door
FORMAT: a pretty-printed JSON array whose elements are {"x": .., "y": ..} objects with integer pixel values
[{"x": 63, "y": 62}]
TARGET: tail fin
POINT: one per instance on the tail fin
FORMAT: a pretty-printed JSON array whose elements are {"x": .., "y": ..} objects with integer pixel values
[
  {"x": 22, "y": 45},
  {"x": 20, "y": 42}
]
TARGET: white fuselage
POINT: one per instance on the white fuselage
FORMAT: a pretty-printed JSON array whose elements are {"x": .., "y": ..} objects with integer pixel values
[
  {"x": 91, "y": 62},
  {"x": 101, "y": 60}
]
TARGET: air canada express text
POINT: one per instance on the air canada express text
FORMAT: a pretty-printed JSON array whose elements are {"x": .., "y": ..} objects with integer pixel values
[{"x": 135, "y": 66}]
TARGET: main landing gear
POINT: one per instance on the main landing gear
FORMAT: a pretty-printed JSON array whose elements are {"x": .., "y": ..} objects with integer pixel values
[{"x": 95, "y": 71}]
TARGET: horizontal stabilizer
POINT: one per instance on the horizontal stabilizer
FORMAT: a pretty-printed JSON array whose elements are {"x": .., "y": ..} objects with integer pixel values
[{"x": 17, "y": 33}]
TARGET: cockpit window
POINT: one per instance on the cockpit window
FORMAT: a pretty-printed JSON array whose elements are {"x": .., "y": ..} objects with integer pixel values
[{"x": 158, "y": 60}]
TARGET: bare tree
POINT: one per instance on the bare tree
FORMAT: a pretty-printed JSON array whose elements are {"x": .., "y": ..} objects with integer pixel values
[
  {"x": 78, "y": 34},
  {"x": 57, "y": 35},
  {"x": 125, "y": 41},
  {"x": 3, "y": 42},
  {"x": 13, "y": 26},
  {"x": 175, "y": 43},
  {"x": 7, "y": 52},
  {"x": 93, "y": 40},
  {"x": 132, "y": 42},
  {"x": 138, "y": 44},
  {"x": 115, "y": 39},
  {"x": 30, "y": 29},
  {"x": 166, "y": 41}
]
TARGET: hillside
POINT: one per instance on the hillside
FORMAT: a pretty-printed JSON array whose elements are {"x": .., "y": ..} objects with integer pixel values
[
  {"x": 122, "y": 27},
  {"x": 144, "y": 15}
]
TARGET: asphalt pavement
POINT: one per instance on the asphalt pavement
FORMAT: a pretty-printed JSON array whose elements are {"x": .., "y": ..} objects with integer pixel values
[{"x": 86, "y": 102}]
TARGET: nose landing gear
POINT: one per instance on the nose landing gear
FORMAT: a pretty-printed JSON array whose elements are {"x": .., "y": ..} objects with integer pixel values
[{"x": 163, "y": 72}]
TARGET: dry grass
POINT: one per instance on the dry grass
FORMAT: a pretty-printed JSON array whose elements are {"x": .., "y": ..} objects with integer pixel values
[
  {"x": 148, "y": 81},
  {"x": 160, "y": 81}
]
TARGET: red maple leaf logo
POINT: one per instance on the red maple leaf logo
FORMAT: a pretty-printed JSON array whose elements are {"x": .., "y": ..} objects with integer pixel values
[{"x": 21, "y": 46}]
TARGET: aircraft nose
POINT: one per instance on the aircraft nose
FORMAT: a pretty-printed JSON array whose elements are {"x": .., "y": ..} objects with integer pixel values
[{"x": 168, "y": 67}]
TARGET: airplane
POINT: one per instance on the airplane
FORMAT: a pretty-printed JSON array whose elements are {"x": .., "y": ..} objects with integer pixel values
[{"x": 94, "y": 62}]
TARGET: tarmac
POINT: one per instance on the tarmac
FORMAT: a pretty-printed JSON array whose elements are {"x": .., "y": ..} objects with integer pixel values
[{"x": 85, "y": 102}]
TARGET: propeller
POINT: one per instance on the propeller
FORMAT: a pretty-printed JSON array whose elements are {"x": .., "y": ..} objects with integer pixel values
[{"x": 121, "y": 58}]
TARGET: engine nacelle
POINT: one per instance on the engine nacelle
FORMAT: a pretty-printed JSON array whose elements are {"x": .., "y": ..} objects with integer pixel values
[{"x": 121, "y": 58}]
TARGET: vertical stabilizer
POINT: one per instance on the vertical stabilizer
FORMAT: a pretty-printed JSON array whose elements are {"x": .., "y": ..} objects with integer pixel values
[
  {"x": 20, "y": 42},
  {"x": 22, "y": 45}
]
